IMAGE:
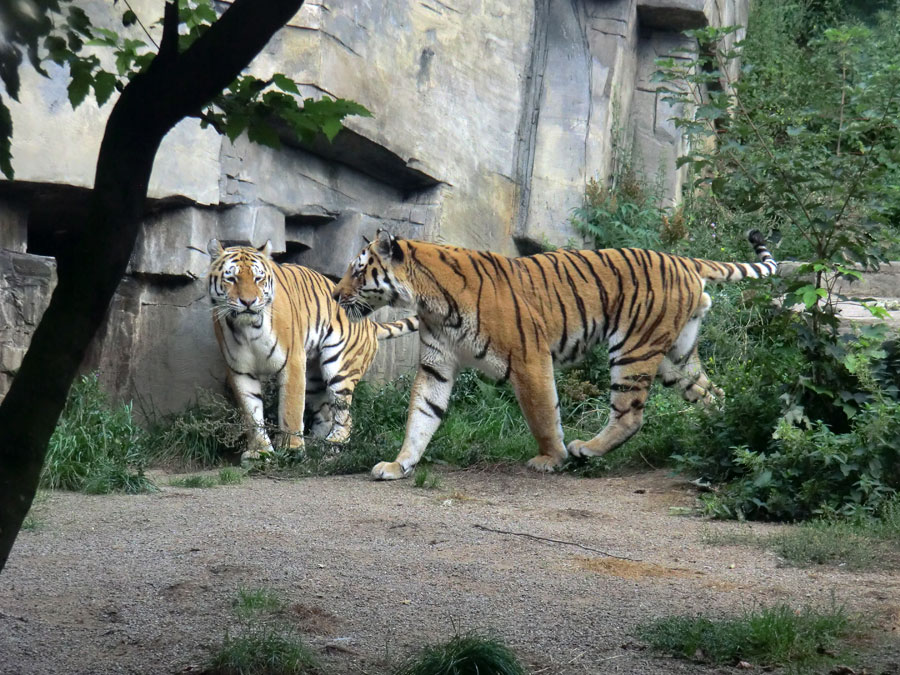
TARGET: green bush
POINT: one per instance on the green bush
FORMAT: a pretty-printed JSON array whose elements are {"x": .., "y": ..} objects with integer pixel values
[
  {"x": 96, "y": 447},
  {"x": 815, "y": 471}
]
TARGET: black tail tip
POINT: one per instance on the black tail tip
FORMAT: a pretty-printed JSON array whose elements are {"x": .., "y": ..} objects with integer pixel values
[{"x": 756, "y": 238}]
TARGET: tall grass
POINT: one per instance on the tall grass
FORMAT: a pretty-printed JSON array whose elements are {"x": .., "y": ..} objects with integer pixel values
[{"x": 97, "y": 447}]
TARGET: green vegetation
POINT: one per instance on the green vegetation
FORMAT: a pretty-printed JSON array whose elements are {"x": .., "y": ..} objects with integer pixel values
[
  {"x": 264, "y": 644},
  {"x": 859, "y": 543},
  {"x": 770, "y": 636},
  {"x": 197, "y": 437},
  {"x": 255, "y": 601},
  {"x": 423, "y": 478},
  {"x": 196, "y": 481},
  {"x": 464, "y": 655},
  {"x": 97, "y": 447},
  {"x": 230, "y": 475},
  {"x": 263, "y": 650}
]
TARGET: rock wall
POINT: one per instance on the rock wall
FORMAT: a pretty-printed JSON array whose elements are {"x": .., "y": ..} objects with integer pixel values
[{"x": 489, "y": 116}]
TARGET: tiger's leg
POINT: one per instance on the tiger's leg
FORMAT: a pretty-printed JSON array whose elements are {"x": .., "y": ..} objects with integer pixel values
[
  {"x": 341, "y": 382},
  {"x": 318, "y": 402},
  {"x": 248, "y": 392},
  {"x": 690, "y": 379},
  {"x": 536, "y": 392},
  {"x": 292, "y": 401},
  {"x": 681, "y": 367},
  {"x": 428, "y": 401},
  {"x": 627, "y": 397}
]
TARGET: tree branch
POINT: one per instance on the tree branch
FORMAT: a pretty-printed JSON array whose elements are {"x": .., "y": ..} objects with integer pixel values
[{"x": 554, "y": 541}]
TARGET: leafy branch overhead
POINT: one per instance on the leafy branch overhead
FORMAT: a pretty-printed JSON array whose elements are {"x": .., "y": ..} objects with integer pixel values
[{"x": 102, "y": 61}]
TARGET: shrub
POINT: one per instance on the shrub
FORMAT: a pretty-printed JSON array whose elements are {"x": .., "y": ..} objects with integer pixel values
[{"x": 96, "y": 446}]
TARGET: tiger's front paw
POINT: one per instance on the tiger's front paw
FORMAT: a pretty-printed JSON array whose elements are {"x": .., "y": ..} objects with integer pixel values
[
  {"x": 389, "y": 471},
  {"x": 580, "y": 449},
  {"x": 544, "y": 463}
]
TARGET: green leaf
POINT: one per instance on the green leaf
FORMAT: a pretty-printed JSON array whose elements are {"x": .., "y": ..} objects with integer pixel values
[
  {"x": 285, "y": 83},
  {"x": 235, "y": 125},
  {"x": 129, "y": 18},
  {"x": 81, "y": 81},
  {"x": 205, "y": 12},
  {"x": 104, "y": 85},
  {"x": 260, "y": 131},
  {"x": 763, "y": 479},
  {"x": 331, "y": 128}
]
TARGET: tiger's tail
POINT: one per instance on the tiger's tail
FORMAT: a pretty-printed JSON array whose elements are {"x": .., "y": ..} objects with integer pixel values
[
  {"x": 392, "y": 329},
  {"x": 719, "y": 271}
]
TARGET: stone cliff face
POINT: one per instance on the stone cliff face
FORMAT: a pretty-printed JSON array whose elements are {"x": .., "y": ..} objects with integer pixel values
[{"x": 489, "y": 116}]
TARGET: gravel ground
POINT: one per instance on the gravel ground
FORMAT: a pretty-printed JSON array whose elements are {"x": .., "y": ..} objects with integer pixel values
[{"x": 561, "y": 568}]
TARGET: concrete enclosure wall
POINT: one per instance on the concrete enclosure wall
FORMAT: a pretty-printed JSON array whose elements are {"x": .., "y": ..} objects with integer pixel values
[{"x": 489, "y": 117}]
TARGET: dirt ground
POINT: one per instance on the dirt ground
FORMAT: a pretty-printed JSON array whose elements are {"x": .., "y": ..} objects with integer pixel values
[{"x": 561, "y": 568}]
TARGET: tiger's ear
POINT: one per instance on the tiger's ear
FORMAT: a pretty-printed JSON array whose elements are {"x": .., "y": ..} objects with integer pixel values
[
  {"x": 266, "y": 249},
  {"x": 383, "y": 241},
  {"x": 214, "y": 248},
  {"x": 387, "y": 245}
]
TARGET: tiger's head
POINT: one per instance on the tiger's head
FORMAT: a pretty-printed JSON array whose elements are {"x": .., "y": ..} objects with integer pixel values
[
  {"x": 241, "y": 282},
  {"x": 377, "y": 277}
]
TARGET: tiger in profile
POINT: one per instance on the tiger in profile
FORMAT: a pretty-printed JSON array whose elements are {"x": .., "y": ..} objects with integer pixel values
[
  {"x": 280, "y": 320},
  {"x": 512, "y": 318}
]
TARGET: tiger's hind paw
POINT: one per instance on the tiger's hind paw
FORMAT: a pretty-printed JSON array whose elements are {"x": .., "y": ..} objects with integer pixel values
[
  {"x": 389, "y": 471},
  {"x": 338, "y": 435}
]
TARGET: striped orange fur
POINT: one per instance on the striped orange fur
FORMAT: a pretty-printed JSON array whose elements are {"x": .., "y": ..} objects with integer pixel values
[
  {"x": 280, "y": 321},
  {"x": 513, "y": 318}
]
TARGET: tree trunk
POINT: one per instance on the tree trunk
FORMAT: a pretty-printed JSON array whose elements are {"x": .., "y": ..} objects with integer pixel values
[{"x": 174, "y": 86}]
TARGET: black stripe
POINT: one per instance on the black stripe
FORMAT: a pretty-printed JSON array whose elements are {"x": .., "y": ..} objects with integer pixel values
[
  {"x": 433, "y": 372},
  {"x": 435, "y": 408}
]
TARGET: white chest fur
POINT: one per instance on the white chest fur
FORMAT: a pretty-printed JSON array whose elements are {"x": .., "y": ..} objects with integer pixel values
[{"x": 250, "y": 348}]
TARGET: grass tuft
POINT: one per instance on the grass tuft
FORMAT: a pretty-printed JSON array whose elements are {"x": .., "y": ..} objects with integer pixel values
[
  {"x": 198, "y": 481},
  {"x": 464, "y": 655},
  {"x": 771, "y": 636},
  {"x": 255, "y": 601},
  {"x": 230, "y": 475},
  {"x": 423, "y": 478},
  {"x": 265, "y": 646},
  {"x": 264, "y": 650}
]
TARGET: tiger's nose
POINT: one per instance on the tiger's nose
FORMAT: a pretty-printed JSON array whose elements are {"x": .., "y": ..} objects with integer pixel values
[{"x": 248, "y": 303}]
